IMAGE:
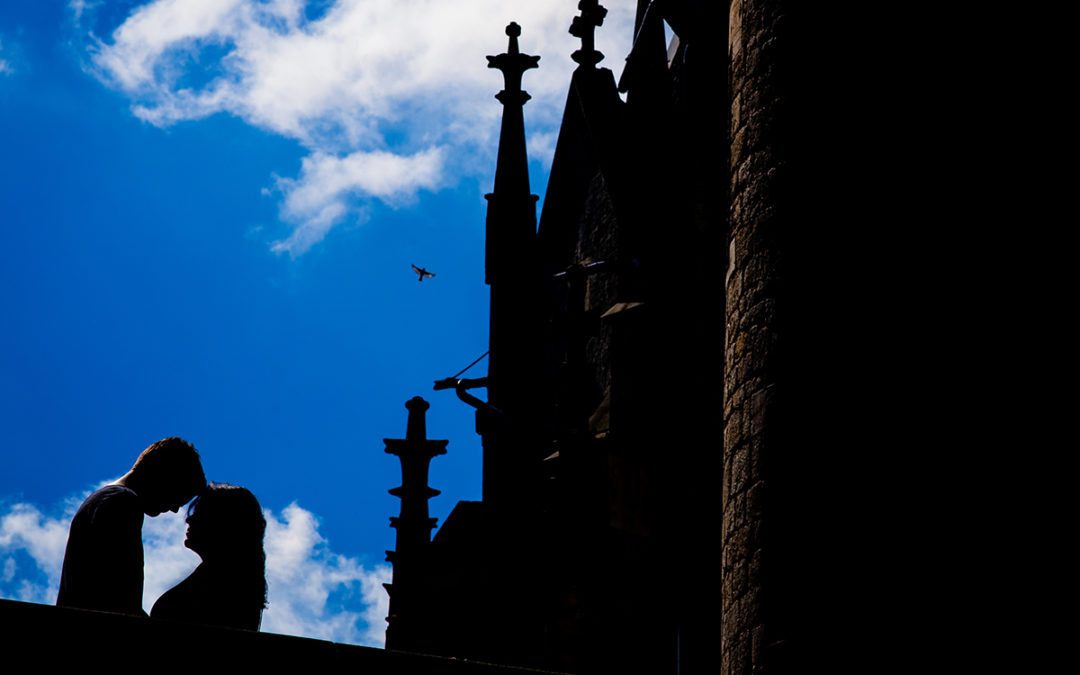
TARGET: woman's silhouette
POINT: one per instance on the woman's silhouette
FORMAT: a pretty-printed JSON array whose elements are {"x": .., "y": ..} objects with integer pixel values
[{"x": 225, "y": 527}]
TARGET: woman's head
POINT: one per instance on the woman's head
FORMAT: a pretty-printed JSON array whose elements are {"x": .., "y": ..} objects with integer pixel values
[
  {"x": 226, "y": 527},
  {"x": 225, "y": 520}
]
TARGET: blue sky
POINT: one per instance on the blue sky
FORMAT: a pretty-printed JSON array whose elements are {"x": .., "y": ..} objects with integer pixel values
[{"x": 209, "y": 209}]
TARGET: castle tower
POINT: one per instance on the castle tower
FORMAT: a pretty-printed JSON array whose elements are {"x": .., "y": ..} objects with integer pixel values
[{"x": 407, "y": 620}]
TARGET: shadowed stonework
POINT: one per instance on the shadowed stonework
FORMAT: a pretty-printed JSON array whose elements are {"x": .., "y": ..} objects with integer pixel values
[
  {"x": 593, "y": 549},
  {"x": 663, "y": 388}
]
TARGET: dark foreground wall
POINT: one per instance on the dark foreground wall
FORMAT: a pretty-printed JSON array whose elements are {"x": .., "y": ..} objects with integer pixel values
[
  {"x": 81, "y": 640},
  {"x": 812, "y": 403}
]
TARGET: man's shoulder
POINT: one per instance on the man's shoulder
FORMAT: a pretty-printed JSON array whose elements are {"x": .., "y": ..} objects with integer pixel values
[
  {"x": 112, "y": 498},
  {"x": 111, "y": 492}
]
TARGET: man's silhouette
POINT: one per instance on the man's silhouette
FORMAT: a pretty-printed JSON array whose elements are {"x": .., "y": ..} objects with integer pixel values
[{"x": 103, "y": 563}]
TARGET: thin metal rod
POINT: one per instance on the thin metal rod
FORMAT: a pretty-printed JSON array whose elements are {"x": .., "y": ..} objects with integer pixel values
[{"x": 472, "y": 364}]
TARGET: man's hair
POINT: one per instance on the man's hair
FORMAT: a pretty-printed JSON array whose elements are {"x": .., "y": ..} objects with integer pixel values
[{"x": 173, "y": 461}]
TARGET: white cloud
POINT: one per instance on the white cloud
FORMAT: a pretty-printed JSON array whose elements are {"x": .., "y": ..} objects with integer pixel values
[
  {"x": 364, "y": 80},
  {"x": 319, "y": 199},
  {"x": 313, "y": 591},
  {"x": 24, "y": 528},
  {"x": 316, "y": 592},
  {"x": 165, "y": 560}
]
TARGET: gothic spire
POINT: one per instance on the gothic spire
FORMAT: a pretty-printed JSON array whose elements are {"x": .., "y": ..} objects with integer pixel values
[
  {"x": 510, "y": 266},
  {"x": 511, "y": 207},
  {"x": 512, "y": 171}
]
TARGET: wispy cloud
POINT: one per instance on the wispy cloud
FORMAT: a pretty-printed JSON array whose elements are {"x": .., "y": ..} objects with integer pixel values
[
  {"x": 79, "y": 6},
  {"x": 364, "y": 80},
  {"x": 5, "y": 65},
  {"x": 322, "y": 195},
  {"x": 313, "y": 591}
]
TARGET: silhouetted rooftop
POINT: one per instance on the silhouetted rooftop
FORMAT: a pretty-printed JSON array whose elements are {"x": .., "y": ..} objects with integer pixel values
[{"x": 64, "y": 637}]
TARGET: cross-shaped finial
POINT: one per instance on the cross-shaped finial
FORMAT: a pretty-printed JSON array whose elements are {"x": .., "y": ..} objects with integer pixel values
[
  {"x": 512, "y": 64},
  {"x": 592, "y": 16}
]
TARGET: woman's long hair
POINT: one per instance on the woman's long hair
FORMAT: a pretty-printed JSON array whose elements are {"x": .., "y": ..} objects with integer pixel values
[{"x": 232, "y": 525}]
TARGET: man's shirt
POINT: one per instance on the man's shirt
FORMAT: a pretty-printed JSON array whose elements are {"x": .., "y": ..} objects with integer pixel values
[{"x": 103, "y": 563}]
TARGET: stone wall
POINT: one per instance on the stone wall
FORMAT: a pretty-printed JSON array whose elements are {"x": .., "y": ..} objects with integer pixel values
[
  {"x": 753, "y": 284},
  {"x": 807, "y": 374}
]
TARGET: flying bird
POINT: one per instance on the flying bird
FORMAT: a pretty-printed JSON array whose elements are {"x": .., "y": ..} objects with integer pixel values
[{"x": 422, "y": 272}]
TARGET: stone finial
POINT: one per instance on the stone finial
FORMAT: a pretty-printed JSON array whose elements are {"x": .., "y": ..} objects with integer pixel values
[
  {"x": 415, "y": 452},
  {"x": 513, "y": 30},
  {"x": 413, "y": 525},
  {"x": 591, "y": 17},
  {"x": 416, "y": 429},
  {"x": 512, "y": 64}
]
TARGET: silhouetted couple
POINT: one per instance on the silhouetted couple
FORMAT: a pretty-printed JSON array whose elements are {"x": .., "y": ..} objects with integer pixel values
[{"x": 103, "y": 564}]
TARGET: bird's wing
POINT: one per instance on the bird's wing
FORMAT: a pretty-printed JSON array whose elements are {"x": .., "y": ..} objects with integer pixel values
[{"x": 415, "y": 269}]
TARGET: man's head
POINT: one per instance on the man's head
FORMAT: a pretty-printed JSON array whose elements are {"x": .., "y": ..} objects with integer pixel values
[{"x": 167, "y": 475}]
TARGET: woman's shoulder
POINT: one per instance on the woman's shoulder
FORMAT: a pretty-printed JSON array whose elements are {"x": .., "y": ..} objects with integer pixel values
[
  {"x": 210, "y": 595},
  {"x": 183, "y": 602}
]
